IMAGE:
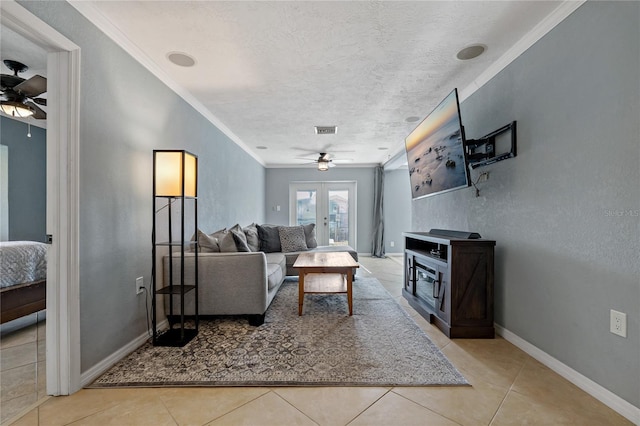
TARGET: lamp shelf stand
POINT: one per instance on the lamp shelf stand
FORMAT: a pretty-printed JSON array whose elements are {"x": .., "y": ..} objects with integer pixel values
[{"x": 175, "y": 177}]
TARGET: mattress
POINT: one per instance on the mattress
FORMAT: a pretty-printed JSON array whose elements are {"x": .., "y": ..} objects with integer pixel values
[{"x": 22, "y": 262}]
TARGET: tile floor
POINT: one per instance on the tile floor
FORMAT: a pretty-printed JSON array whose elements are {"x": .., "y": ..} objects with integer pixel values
[
  {"x": 508, "y": 388},
  {"x": 22, "y": 364}
]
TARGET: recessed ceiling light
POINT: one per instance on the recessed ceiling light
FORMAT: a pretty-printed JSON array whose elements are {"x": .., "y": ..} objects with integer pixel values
[
  {"x": 383, "y": 148},
  {"x": 471, "y": 52},
  {"x": 412, "y": 119},
  {"x": 261, "y": 147},
  {"x": 181, "y": 59}
]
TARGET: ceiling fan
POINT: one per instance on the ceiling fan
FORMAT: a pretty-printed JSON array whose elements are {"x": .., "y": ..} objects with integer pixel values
[
  {"x": 325, "y": 160},
  {"x": 19, "y": 95}
]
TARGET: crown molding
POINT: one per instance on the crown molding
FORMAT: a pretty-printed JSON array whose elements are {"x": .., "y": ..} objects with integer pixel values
[
  {"x": 565, "y": 9},
  {"x": 89, "y": 11}
]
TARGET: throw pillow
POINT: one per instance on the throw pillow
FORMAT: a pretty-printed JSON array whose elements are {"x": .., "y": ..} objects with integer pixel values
[
  {"x": 269, "y": 238},
  {"x": 219, "y": 234},
  {"x": 310, "y": 235},
  {"x": 239, "y": 238},
  {"x": 207, "y": 243},
  {"x": 253, "y": 240},
  {"x": 226, "y": 242},
  {"x": 292, "y": 239},
  {"x": 192, "y": 245}
]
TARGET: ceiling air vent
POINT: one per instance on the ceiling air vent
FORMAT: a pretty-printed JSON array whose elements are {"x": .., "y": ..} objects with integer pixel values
[{"x": 326, "y": 130}]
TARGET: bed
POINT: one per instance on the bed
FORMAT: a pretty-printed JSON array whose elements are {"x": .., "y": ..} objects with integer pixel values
[{"x": 23, "y": 278}]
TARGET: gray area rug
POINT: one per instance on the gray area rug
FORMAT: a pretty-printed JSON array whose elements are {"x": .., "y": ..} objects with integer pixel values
[{"x": 379, "y": 345}]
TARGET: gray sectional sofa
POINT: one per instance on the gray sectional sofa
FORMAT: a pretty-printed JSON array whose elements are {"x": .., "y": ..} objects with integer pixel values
[{"x": 242, "y": 282}]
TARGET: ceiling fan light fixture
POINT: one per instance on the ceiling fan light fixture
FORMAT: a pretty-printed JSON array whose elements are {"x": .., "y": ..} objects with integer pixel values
[
  {"x": 323, "y": 165},
  {"x": 16, "y": 109}
]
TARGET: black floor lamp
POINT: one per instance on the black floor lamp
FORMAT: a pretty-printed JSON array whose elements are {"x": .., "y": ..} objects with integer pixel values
[{"x": 175, "y": 179}]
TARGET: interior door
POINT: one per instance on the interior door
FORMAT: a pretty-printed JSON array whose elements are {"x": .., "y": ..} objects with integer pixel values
[{"x": 330, "y": 205}]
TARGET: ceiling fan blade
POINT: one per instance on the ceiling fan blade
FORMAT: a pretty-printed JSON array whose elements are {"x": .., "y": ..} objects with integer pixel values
[
  {"x": 39, "y": 114},
  {"x": 8, "y": 81},
  {"x": 342, "y": 160},
  {"x": 312, "y": 151},
  {"x": 40, "y": 101},
  {"x": 331, "y": 164},
  {"x": 35, "y": 86},
  {"x": 328, "y": 148}
]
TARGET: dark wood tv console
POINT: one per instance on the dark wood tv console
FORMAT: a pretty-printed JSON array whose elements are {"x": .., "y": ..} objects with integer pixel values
[{"x": 449, "y": 281}]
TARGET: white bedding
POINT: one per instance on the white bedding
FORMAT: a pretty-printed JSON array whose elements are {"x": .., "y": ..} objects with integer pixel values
[{"x": 22, "y": 262}]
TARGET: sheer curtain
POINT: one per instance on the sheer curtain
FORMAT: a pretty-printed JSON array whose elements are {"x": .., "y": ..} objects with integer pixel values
[{"x": 378, "y": 213}]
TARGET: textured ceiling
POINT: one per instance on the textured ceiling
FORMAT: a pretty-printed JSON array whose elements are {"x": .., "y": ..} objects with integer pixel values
[{"x": 270, "y": 71}]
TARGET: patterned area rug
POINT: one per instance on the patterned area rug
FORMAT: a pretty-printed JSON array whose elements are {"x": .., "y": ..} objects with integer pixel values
[{"x": 379, "y": 345}]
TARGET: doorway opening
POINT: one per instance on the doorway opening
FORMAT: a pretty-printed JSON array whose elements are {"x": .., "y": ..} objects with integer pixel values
[
  {"x": 330, "y": 205},
  {"x": 63, "y": 142}
]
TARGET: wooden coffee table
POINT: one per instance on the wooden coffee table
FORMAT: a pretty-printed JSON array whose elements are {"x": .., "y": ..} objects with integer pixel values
[{"x": 330, "y": 272}]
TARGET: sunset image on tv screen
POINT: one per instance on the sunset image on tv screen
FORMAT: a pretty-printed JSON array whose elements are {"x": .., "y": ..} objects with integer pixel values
[{"x": 435, "y": 151}]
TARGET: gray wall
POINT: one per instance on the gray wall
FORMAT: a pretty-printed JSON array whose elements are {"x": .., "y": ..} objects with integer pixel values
[
  {"x": 397, "y": 209},
  {"x": 564, "y": 212},
  {"x": 27, "y": 180},
  {"x": 277, "y": 193},
  {"x": 126, "y": 113}
]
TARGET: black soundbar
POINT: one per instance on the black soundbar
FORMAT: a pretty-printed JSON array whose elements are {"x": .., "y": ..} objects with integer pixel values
[{"x": 455, "y": 234}]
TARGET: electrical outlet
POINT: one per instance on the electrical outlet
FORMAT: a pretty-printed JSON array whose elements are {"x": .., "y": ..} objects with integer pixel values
[
  {"x": 139, "y": 285},
  {"x": 392, "y": 243},
  {"x": 618, "y": 323}
]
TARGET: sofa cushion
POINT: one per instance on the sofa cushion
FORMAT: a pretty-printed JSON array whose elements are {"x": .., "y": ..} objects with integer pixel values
[
  {"x": 292, "y": 238},
  {"x": 269, "y": 238},
  {"x": 276, "y": 269},
  {"x": 310, "y": 235},
  {"x": 239, "y": 238},
  {"x": 253, "y": 240}
]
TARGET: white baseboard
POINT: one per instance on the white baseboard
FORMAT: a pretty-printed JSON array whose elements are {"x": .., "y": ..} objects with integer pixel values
[
  {"x": 94, "y": 372},
  {"x": 398, "y": 258},
  {"x": 602, "y": 394}
]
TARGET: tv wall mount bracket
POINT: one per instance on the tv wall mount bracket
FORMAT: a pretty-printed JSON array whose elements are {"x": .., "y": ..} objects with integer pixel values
[{"x": 493, "y": 147}]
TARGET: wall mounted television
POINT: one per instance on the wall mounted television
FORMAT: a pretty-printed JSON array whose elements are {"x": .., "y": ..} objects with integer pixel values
[{"x": 435, "y": 149}]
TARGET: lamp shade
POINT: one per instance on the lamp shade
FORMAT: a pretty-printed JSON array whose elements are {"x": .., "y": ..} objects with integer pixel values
[
  {"x": 175, "y": 173},
  {"x": 323, "y": 165},
  {"x": 16, "y": 109}
]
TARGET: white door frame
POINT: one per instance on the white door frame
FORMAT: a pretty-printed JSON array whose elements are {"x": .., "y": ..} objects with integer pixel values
[
  {"x": 323, "y": 187},
  {"x": 63, "y": 142}
]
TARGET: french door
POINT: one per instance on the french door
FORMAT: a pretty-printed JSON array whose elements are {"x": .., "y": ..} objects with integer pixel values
[{"x": 330, "y": 205}]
